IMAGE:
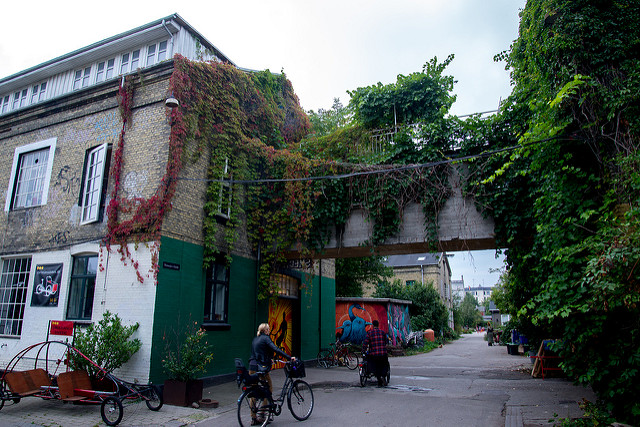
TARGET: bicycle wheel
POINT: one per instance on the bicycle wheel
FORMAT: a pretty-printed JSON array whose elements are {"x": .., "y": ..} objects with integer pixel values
[
  {"x": 387, "y": 377},
  {"x": 111, "y": 411},
  {"x": 362, "y": 371},
  {"x": 300, "y": 400},
  {"x": 153, "y": 398},
  {"x": 351, "y": 360},
  {"x": 324, "y": 358},
  {"x": 253, "y": 408}
]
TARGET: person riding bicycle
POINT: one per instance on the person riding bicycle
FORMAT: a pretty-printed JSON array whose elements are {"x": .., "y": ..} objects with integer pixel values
[
  {"x": 375, "y": 346},
  {"x": 262, "y": 351}
]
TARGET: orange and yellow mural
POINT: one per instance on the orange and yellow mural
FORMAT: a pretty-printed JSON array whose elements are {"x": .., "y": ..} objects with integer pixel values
[{"x": 281, "y": 324}]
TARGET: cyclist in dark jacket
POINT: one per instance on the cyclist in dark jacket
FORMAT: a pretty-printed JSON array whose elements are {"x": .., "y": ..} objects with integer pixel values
[{"x": 262, "y": 351}]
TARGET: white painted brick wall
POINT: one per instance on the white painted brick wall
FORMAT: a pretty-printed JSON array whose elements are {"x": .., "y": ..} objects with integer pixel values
[{"x": 117, "y": 289}]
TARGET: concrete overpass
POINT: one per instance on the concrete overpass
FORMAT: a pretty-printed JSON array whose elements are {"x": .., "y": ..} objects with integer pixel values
[{"x": 460, "y": 228}]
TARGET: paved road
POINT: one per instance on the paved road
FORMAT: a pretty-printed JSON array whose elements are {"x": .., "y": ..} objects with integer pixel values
[{"x": 465, "y": 383}]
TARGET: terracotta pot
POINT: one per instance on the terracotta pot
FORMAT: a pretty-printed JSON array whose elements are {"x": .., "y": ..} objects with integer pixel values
[{"x": 182, "y": 393}]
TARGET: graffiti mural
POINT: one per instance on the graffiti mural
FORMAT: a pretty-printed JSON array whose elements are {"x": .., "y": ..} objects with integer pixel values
[
  {"x": 399, "y": 325},
  {"x": 280, "y": 322},
  {"x": 354, "y": 318}
]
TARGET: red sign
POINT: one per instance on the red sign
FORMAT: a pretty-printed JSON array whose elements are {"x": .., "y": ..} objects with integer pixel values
[{"x": 61, "y": 327}]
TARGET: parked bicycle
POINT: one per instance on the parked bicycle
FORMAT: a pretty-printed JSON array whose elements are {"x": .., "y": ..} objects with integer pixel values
[
  {"x": 256, "y": 405},
  {"x": 338, "y": 355}
]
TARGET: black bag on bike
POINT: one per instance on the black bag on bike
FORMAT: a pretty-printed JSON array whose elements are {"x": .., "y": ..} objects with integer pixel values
[{"x": 295, "y": 369}]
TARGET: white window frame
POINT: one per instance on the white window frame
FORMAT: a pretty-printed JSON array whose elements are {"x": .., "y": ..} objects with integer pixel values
[
  {"x": 131, "y": 63},
  {"x": 151, "y": 54},
  {"x": 157, "y": 52},
  {"x": 104, "y": 70},
  {"x": 20, "y": 98},
  {"x": 51, "y": 144},
  {"x": 4, "y": 104},
  {"x": 93, "y": 184},
  {"x": 14, "y": 285},
  {"x": 37, "y": 92},
  {"x": 225, "y": 192},
  {"x": 81, "y": 78}
]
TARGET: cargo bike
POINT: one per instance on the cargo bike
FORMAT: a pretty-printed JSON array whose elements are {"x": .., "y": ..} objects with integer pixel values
[{"x": 44, "y": 370}]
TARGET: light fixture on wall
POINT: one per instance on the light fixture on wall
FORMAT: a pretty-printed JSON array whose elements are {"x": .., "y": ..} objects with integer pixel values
[{"x": 171, "y": 102}]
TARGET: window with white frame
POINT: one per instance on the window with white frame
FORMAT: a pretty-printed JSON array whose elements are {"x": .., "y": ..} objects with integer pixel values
[
  {"x": 4, "y": 104},
  {"x": 151, "y": 54},
  {"x": 38, "y": 92},
  {"x": 156, "y": 53},
  {"x": 93, "y": 184},
  {"x": 216, "y": 295},
  {"x": 30, "y": 175},
  {"x": 20, "y": 99},
  {"x": 81, "y": 78},
  {"x": 130, "y": 61},
  {"x": 224, "y": 197},
  {"x": 104, "y": 70},
  {"x": 14, "y": 281},
  {"x": 82, "y": 287}
]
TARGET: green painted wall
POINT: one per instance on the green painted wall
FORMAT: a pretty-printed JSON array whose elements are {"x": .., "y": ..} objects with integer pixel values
[{"x": 179, "y": 305}]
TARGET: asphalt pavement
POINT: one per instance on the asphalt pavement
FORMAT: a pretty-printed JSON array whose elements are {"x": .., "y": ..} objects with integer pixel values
[{"x": 464, "y": 383}]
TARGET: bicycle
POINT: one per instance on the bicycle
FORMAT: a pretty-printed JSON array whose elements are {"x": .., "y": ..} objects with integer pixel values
[
  {"x": 365, "y": 372},
  {"x": 338, "y": 355},
  {"x": 256, "y": 405}
]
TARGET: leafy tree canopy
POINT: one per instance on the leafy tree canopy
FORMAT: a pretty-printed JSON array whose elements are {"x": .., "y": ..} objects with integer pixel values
[
  {"x": 422, "y": 96},
  {"x": 353, "y": 273},
  {"x": 567, "y": 204}
]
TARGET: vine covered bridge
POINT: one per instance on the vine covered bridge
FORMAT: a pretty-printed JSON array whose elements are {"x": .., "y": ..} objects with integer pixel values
[{"x": 461, "y": 227}]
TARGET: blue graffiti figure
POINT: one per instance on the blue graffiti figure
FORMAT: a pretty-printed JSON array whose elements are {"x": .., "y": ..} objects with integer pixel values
[{"x": 356, "y": 327}]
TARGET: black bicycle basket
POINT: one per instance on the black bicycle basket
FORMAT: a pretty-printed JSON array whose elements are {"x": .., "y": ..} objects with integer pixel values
[{"x": 295, "y": 369}]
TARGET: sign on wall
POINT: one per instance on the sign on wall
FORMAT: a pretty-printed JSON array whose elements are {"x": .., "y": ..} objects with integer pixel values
[
  {"x": 46, "y": 285},
  {"x": 61, "y": 327}
]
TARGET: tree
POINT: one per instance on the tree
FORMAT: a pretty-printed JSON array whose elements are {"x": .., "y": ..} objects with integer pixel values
[
  {"x": 420, "y": 96},
  {"x": 325, "y": 122},
  {"x": 567, "y": 202},
  {"x": 469, "y": 314},
  {"x": 353, "y": 273}
]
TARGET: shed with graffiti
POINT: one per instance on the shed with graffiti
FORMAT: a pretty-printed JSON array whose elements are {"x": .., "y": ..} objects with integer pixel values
[{"x": 354, "y": 317}]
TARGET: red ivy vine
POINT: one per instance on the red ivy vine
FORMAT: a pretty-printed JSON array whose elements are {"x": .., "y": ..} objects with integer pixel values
[{"x": 140, "y": 219}]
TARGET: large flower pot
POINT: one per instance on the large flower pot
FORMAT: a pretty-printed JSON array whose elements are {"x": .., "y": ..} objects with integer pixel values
[{"x": 182, "y": 393}]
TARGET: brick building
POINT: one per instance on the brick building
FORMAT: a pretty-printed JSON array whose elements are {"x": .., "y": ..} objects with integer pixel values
[
  {"x": 422, "y": 269},
  {"x": 59, "y": 126}
]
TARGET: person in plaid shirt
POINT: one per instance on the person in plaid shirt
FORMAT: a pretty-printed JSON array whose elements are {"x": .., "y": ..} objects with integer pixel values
[{"x": 375, "y": 345}]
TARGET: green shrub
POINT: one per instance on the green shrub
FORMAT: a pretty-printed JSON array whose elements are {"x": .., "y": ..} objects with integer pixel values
[{"x": 108, "y": 343}]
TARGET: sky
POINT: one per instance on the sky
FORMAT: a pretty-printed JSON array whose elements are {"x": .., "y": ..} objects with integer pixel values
[{"x": 325, "y": 48}]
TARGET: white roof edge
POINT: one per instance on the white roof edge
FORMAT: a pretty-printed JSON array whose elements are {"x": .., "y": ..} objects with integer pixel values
[{"x": 112, "y": 39}]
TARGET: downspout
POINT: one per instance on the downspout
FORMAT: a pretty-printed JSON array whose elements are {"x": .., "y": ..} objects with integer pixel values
[
  {"x": 255, "y": 300},
  {"x": 320, "y": 307},
  {"x": 170, "y": 38}
]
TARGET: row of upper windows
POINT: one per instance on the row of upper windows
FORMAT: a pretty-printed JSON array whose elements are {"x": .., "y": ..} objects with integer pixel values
[{"x": 92, "y": 74}]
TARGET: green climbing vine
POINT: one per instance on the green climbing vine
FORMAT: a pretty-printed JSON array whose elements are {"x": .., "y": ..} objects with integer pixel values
[{"x": 251, "y": 126}]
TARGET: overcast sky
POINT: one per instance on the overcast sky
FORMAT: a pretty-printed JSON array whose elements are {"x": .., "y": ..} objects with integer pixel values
[{"x": 326, "y": 48}]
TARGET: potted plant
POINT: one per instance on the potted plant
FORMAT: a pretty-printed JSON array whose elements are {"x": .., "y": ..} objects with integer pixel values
[{"x": 184, "y": 359}]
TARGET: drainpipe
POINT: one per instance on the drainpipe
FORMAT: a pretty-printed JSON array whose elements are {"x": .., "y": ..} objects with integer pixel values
[
  {"x": 320, "y": 307},
  {"x": 255, "y": 299},
  {"x": 170, "y": 38}
]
